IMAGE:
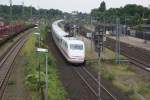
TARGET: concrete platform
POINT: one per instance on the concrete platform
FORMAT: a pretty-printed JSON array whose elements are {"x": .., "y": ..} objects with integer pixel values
[{"x": 134, "y": 41}]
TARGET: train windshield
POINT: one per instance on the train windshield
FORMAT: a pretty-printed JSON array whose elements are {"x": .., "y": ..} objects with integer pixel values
[{"x": 76, "y": 47}]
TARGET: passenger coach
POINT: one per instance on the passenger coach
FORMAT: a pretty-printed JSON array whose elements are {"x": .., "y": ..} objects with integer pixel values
[{"x": 72, "y": 48}]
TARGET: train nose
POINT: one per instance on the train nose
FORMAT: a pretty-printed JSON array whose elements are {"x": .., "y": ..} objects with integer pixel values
[
  {"x": 77, "y": 55},
  {"x": 76, "y": 58}
]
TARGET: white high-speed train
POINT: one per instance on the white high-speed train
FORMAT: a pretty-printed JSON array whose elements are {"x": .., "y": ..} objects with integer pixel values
[{"x": 72, "y": 48}]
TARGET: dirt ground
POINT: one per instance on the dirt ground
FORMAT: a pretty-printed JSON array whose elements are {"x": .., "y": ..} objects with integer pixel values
[
  {"x": 127, "y": 78},
  {"x": 73, "y": 85},
  {"x": 7, "y": 45},
  {"x": 16, "y": 87}
]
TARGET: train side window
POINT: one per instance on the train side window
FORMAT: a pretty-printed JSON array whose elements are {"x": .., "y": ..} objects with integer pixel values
[
  {"x": 63, "y": 43},
  {"x": 66, "y": 45}
]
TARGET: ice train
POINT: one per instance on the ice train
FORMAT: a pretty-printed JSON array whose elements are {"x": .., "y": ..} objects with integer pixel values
[{"x": 72, "y": 48}]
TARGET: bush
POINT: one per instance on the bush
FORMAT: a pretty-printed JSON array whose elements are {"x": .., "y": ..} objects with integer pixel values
[
  {"x": 106, "y": 74},
  {"x": 55, "y": 89}
]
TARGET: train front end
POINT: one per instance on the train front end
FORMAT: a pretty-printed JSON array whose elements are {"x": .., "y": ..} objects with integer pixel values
[{"x": 76, "y": 52}]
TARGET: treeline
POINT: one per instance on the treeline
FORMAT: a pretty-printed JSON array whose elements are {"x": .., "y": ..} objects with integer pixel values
[
  {"x": 18, "y": 12},
  {"x": 130, "y": 14}
]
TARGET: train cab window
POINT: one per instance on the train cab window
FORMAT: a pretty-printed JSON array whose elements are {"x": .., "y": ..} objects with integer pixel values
[
  {"x": 66, "y": 45},
  {"x": 76, "y": 47}
]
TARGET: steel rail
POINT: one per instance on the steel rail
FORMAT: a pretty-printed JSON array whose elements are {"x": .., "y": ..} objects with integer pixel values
[
  {"x": 77, "y": 70},
  {"x": 6, "y": 64}
]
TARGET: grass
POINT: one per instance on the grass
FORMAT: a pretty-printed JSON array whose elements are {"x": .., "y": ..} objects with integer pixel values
[
  {"x": 108, "y": 54},
  {"x": 90, "y": 54},
  {"x": 55, "y": 89},
  {"x": 122, "y": 76},
  {"x": 126, "y": 79},
  {"x": 11, "y": 82}
]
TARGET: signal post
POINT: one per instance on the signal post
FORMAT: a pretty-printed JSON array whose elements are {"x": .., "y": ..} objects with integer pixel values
[{"x": 99, "y": 45}]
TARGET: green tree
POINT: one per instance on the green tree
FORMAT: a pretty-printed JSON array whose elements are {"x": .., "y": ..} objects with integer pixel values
[
  {"x": 17, "y": 12},
  {"x": 130, "y": 14},
  {"x": 102, "y": 7}
]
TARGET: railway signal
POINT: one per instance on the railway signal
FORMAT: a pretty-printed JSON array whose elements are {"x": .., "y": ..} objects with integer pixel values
[
  {"x": 43, "y": 50},
  {"x": 10, "y": 1},
  {"x": 38, "y": 37},
  {"x": 99, "y": 43},
  {"x": 117, "y": 54},
  {"x": 38, "y": 60},
  {"x": 75, "y": 29},
  {"x": 10, "y": 14},
  {"x": 99, "y": 39},
  {"x": 23, "y": 16},
  {"x": 31, "y": 12}
]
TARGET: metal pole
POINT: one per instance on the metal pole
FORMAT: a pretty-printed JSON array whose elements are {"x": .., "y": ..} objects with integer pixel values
[
  {"x": 23, "y": 10},
  {"x": 37, "y": 55},
  {"x": 10, "y": 10},
  {"x": 39, "y": 68},
  {"x": 10, "y": 16},
  {"x": 38, "y": 80},
  {"x": 104, "y": 32},
  {"x": 119, "y": 32},
  {"x": 99, "y": 87},
  {"x": 39, "y": 12},
  {"x": 46, "y": 80},
  {"x": 91, "y": 42},
  {"x": 145, "y": 39},
  {"x": 117, "y": 54},
  {"x": 74, "y": 31},
  {"x": 99, "y": 50},
  {"x": 39, "y": 40},
  {"x": 125, "y": 26},
  {"x": 99, "y": 62},
  {"x": 31, "y": 12},
  {"x": 91, "y": 19}
]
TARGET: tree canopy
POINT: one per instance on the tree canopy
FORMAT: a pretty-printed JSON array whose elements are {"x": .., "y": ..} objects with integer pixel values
[
  {"x": 17, "y": 12},
  {"x": 130, "y": 14},
  {"x": 102, "y": 7}
]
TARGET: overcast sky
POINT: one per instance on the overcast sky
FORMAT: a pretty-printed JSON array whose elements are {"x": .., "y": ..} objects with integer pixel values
[{"x": 76, "y": 5}]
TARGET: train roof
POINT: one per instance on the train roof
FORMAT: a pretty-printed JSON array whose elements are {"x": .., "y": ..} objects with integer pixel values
[
  {"x": 58, "y": 30},
  {"x": 73, "y": 40},
  {"x": 65, "y": 36}
]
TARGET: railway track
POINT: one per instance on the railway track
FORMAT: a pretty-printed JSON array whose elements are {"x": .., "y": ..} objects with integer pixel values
[
  {"x": 6, "y": 63},
  {"x": 136, "y": 57},
  {"x": 1, "y": 57},
  {"x": 3, "y": 40},
  {"x": 93, "y": 84},
  {"x": 78, "y": 82}
]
